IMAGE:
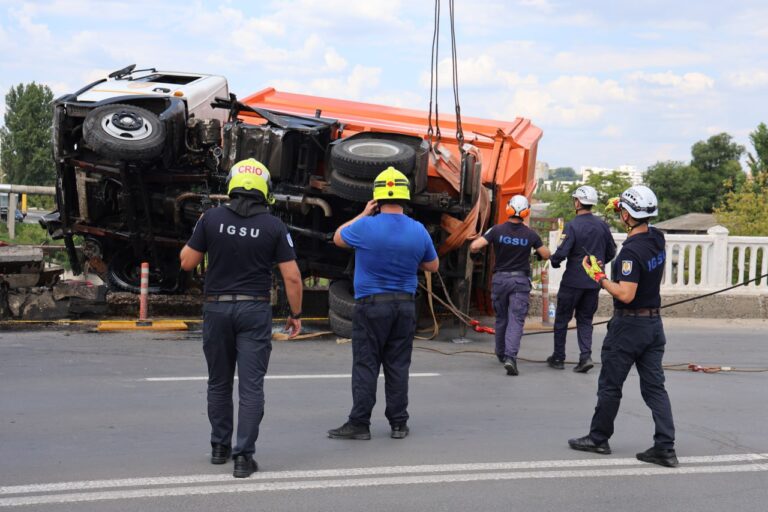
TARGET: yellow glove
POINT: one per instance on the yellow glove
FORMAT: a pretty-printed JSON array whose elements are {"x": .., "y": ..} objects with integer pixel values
[
  {"x": 613, "y": 205},
  {"x": 593, "y": 269}
]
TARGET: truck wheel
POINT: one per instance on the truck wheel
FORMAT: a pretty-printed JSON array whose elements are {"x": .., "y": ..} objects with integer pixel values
[
  {"x": 341, "y": 326},
  {"x": 350, "y": 188},
  {"x": 366, "y": 158},
  {"x": 124, "y": 273},
  {"x": 341, "y": 298},
  {"x": 124, "y": 132}
]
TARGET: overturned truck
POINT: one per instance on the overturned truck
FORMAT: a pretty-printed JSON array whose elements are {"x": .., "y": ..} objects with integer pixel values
[{"x": 141, "y": 154}]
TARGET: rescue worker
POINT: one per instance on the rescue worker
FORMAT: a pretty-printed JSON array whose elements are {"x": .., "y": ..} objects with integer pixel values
[
  {"x": 512, "y": 243},
  {"x": 390, "y": 248},
  {"x": 243, "y": 242},
  {"x": 635, "y": 333},
  {"x": 585, "y": 234}
]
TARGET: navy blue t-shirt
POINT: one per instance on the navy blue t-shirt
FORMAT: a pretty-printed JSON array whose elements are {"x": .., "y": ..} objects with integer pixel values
[
  {"x": 241, "y": 250},
  {"x": 389, "y": 248},
  {"x": 583, "y": 232},
  {"x": 641, "y": 260},
  {"x": 512, "y": 244}
]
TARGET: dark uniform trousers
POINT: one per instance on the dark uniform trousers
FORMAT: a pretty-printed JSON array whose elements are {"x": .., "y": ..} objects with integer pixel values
[
  {"x": 584, "y": 301},
  {"x": 382, "y": 334},
  {"x": 510, "y": 294},
  {"x": 236, "y": 333},
  {"x": 639, "y": 341}
]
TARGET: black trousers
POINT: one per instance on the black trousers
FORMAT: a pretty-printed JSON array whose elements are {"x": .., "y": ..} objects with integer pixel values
[
  {"x": 382, "y": 334},
  {"x": 639, "y": 341},
  {"x": 584, "y": 302},
  {"x": 236, "y": 334}
]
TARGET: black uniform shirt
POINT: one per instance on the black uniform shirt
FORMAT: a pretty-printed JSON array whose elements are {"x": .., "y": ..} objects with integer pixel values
[
  {"x": 641, "y": 260},
  {"x": 512, "y": 244},
  {"x": 583, "y": 232},
  {"x": 241, "y": 250}
]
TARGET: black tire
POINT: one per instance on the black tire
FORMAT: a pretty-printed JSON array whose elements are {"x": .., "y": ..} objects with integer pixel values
[
  {"x": 123, "y": 273},
  {"x": 341, "y": 298},
  {"x": 341, "y": 326},
  {"x": 124, "y": 132},
  {"x": 366, "y": 158},
  {"x": 349, "y": 188}
]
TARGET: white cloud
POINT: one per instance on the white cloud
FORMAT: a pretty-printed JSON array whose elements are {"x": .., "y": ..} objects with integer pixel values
[
  {"x": 612, "y": 132},
  {"x": 688, "y": 83},
  {"x": 542, "y": 5},
  {"x": 749, "y": 79},
  {"x": 601, "y": 59},
  {"x": 360, "y": 79}
]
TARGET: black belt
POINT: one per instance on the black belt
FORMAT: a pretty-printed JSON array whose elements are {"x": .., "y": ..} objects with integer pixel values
[
  {"x": 384, "y": 297},
  {"x": 644, "y": 312},
  {"x": 237, "y": 298},
  {"x": 514, "y": 273}
]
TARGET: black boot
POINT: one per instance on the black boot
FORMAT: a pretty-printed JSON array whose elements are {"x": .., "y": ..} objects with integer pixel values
[
  {"x": 557, "y": 364},
  {"x": 245, "y": 466},
  {"x": 584, "y": 366},
  {"x": 351, "y": 431},
  {"x": 661, "y": 456},
  {"x": 586, "y": 444},
  {"x": 220, "y": 453},
  {"x": 510, "y": 365}
]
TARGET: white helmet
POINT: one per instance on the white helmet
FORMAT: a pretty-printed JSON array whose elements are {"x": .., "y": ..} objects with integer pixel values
[
  {"x": 518, "y": 206},
  {"x": 640, "y": 202},
  {"x": 586, "y": 195}
]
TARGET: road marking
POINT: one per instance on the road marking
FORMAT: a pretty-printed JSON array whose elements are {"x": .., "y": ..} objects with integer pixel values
[
  {"x": 348, "y": 477},
  {"x": 284, "y": 377},
  {"x": 374, "y": 482}
]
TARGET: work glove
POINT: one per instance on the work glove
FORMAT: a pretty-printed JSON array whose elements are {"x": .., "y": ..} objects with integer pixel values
[
  {"x": 593, "y": 269},
  {"x": 613, "y": 205}
]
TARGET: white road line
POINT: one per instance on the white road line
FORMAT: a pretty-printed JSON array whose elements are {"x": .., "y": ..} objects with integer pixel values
[
  {"x": 379, "y": 471},
  {"x": 283, "y": 377},
  {"x": 375, "y": 482}
]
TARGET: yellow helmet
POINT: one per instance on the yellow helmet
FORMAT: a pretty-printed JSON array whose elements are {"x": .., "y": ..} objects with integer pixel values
[
  {"x": 250, "y": 174},
  {"x": 391, "y": 184}
]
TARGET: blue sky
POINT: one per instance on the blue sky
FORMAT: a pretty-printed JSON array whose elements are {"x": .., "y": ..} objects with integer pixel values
[{"x": 610, "y": 83}]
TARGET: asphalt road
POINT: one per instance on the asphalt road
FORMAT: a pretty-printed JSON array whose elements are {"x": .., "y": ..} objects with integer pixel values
[{"x": 114, "y": 422}]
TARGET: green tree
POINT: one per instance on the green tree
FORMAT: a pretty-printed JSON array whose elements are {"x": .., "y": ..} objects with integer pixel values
[
  {"x": 745, "y": 212},
  {"x": 607, "y": 186},
  {"x": 758, "y": 161},
  {"x": 717, "y": 160},
  {"x": 678, "y": 187},
  {"x": 25, "y": 140},
  {"x": 563, "y": 174}
]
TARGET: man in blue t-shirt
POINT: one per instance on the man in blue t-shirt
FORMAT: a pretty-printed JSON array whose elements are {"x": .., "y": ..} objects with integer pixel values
[
  {"x": 390, "y": 248},
  {"x": 512, "y": 243},
  {"x": 243, "y": 242}
]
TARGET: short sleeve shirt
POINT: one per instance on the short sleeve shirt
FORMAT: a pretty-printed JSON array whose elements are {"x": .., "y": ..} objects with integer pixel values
[
  {"x": 512, "y": 244},
  {"x": 241, "y": 250},
  {"x": 641, "y": 260},
  {"x": 388, "y": 251}
]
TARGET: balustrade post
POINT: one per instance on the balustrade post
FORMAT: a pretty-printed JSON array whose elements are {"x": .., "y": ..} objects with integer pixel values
[{"x": 718, "y": 263}]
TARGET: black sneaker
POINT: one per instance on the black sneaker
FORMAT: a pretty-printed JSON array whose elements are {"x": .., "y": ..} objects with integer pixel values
[
  {"x": 661, "y": 456},
  {"x": 557, "y": 364},
  {"x": 586, "y": 444},
  {"x": 351, "y": 431},
  {"x": 400, "y": 431},
  {"x": 510, "y": 365},
  {"x": 220, "y": 453},
  {"x": 245, "y": 466},
  {"x": 584, "y": 366}
]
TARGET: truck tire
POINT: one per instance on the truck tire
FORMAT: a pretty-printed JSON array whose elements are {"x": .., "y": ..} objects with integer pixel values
[
  {"x": 341, "y": 298},
  {"x": 124, "y": 132},
  {"x": 366, "y": 158},
  {"x": 123, "y": 273},
  {"x": 341, "y": 326},
  {"x": 352, "y": 189}
]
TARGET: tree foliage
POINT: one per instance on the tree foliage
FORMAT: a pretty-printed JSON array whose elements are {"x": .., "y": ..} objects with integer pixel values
[
  {"x": 745, "y": 212},
  {"x": 607, "y": 186},
  {"x": 563, "y": 174},
  {"x": 677, "y": 187},
  {"x": 758, "y": 161},
  {"x": 701, "y": 186},
  {"x": 25, "y": 140}
]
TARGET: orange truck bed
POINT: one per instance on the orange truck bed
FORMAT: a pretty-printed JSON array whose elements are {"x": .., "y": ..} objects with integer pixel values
[{"x": 507, "y": 148}]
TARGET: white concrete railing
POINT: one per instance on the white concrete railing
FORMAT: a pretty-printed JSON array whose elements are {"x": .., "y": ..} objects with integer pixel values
[{"x": 701, "y": 263}]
